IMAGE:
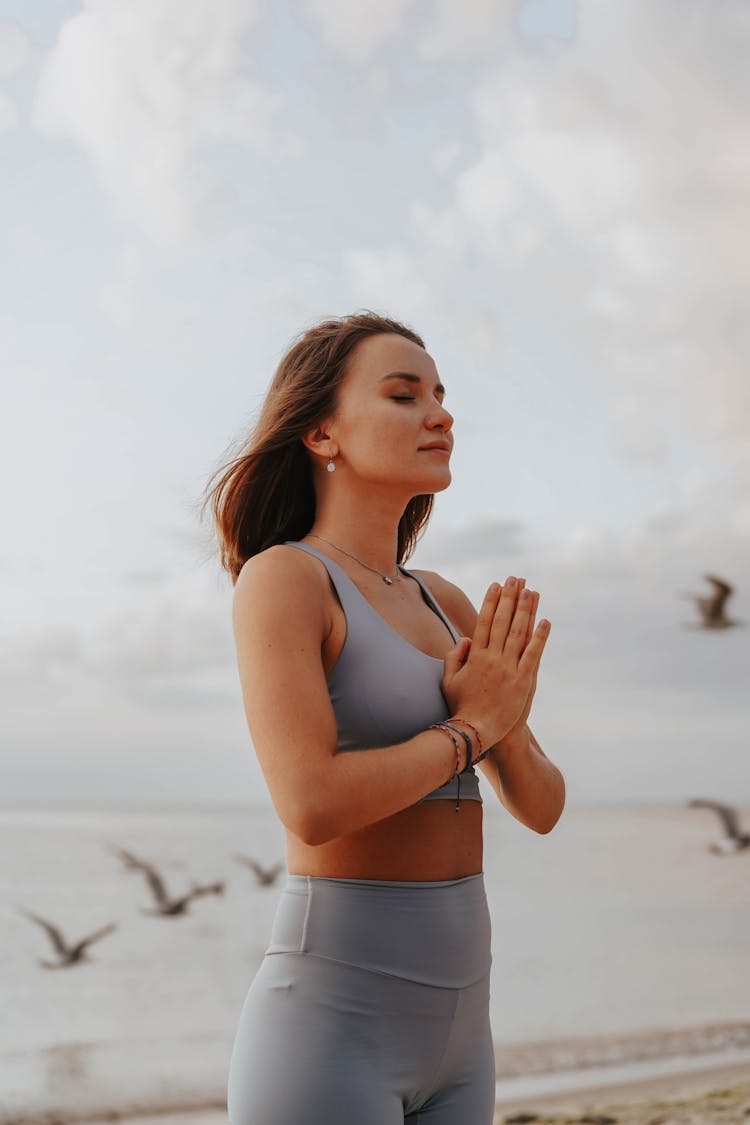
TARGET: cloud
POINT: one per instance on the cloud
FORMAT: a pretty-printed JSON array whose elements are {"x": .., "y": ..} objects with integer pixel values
[
  {"x": 16, "y": 50},
  {"x": 447, "y": 154},
  {"x": 356, "y": 31},
  {"x": 8, "y": 114},
  {"x": 155, "y": 650},
  {"x": 609, "y": 197},
  {"x": 463, "y": 34},
  {"x": 38, "y": 664},
  {"x": 140, "y": 86}
]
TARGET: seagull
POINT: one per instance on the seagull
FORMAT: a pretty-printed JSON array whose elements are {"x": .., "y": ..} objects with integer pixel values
[
  {"x": 265, "y": 875},
  {"x": 712, "y": 605},
  {"x": 67, "y": 954},
  {"x": 734, "y": 841},
  {"x": 165, "y": 905}
]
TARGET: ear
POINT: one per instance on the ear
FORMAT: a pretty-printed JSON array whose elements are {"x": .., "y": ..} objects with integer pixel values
[{"x": 319, "y": 441}]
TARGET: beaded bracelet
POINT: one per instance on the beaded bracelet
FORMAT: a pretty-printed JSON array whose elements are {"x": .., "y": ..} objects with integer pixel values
[
  {"x": 444, "y": 727},
  {"x": 467, "y": 740},
  {"x": 458, "y": 719},
  {"x": 457, "y": 773}
]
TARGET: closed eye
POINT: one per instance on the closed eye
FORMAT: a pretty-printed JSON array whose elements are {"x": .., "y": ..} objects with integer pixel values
[{"x": 402, "y": 398}]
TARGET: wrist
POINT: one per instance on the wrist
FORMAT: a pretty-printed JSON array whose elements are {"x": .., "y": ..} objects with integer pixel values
[
  {"x": 515, "y": 742},
  {"x": 476, "y": 732},
  {"x": 458, "y": 749}
]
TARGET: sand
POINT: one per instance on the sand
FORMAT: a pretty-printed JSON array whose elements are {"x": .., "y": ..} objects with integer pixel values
[
  {"x": 718, "y": 1095},
  {"x": 714, "y": 1096}
]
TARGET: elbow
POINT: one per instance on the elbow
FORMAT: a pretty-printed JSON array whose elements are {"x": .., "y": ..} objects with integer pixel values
[
  {"x": 311, "y": 826},
  {"x": 550, "y": 824},
  {"x": 309, "y": 832}
]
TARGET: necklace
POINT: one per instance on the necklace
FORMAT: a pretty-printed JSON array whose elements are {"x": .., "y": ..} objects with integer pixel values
[{"x": 385, "y": 577}]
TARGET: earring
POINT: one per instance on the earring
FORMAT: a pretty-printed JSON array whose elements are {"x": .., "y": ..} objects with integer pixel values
[{"x": 330, "y": 466}]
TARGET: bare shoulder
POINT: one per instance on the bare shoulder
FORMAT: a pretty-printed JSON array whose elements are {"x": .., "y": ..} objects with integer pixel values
[
  {"x": 457, "y": 605},
  {"x": 281, "y": 576}
]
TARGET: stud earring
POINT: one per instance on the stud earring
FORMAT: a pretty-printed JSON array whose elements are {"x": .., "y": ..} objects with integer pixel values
[{"x": 330, "y": 466}]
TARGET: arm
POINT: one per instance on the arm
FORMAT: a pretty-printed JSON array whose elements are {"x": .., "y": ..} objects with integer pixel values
[
  {"x": 280, "y": 624},
  {"x": 526, "y": 782},
  {"x": 529, "y": 785}
]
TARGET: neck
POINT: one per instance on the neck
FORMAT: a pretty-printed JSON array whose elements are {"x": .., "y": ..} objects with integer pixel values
[{"x": 370, "y": 532}]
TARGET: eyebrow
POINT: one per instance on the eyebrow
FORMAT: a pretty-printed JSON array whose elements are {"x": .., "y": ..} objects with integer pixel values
[{"x": 411, "y": 378}]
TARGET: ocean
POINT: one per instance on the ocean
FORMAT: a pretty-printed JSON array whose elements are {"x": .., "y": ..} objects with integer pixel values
[{"x": 615, "y": 935}]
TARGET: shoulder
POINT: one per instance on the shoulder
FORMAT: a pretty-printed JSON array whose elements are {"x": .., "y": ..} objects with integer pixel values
[
  {"x": 280, "y": 562},
  {"x": 283, "y": 575},
  {"x": 452, "y": 599}
]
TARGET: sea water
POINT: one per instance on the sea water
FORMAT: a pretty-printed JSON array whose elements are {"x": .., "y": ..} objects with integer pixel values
[{"x": 619, "y": 921}]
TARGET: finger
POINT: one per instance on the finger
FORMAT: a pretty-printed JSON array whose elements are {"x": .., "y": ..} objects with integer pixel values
[
  {"x": 516, "y": 640},
  {"x": 530, "y": 628},
  {"x": 532, "y": 615},
  {"x": 532, "y": 654},
  {"x": 483, "y": 626},
  {"x": 456, "y": 658},
  {"x": 503, "y": 617}
]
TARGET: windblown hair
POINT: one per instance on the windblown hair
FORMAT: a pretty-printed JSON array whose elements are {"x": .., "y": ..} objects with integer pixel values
[{"x": 265, "y": 493}]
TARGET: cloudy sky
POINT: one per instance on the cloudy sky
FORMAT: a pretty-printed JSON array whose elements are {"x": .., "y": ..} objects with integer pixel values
[{"x": 553, "y": 194}]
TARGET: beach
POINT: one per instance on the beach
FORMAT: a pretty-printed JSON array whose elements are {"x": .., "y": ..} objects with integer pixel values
[
  {"x": 621, "y": 965},
  {"x": 718, "y": 1095}
]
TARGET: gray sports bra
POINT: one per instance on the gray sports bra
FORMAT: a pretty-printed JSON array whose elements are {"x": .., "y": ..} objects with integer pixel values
[{"x": 383, "y": 689}]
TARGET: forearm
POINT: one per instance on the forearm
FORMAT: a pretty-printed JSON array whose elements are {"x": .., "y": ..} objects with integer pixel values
[
  {"x": 532, "y": 786},
  {"x": 360, "y": 788}
]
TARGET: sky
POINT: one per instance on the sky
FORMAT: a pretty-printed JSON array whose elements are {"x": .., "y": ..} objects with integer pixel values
[{"x": 554, "y": 194}]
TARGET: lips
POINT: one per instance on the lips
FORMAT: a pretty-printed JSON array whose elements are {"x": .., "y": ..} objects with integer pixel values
[{"x": 437, "y": 445}]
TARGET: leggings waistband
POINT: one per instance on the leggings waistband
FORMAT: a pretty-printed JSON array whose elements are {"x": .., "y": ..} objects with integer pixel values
[{"x": 436, "y": 932}]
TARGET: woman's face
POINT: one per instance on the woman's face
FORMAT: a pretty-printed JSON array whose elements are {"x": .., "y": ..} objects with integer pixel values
[{"x": 383, "y": 422}]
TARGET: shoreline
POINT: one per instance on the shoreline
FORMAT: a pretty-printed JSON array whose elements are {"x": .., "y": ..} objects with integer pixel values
[
  {"x": 645, "y": 1046},
  {"x": 643, "y": 1098},
  {"x": 587, "y": 1095},
  {"x": 716, "y": 1092}
]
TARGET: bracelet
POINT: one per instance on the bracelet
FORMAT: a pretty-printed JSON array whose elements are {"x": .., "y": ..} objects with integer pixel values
[
  {"x": 457, "y": 773},
  {"x": 443, "y": 727},
  {"x": 457, "y": 719},
  {"x": 467, "y": 740}
]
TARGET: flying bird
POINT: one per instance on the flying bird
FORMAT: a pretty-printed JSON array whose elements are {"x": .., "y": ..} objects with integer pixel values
[
  {"x": 169, "y": 907},
  {"x": 734, "y": 840},
  {"x": 711, "y": 606},
  {"x": 67, "y": 954},
  {"x": 266, "y": 876}
]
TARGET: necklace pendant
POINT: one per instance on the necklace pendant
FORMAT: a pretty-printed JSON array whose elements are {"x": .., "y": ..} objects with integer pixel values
[{"x": 387, "y": 579}]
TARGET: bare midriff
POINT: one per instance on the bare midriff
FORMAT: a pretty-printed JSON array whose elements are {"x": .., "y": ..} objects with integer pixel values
[{"x": 429, "y": 841}]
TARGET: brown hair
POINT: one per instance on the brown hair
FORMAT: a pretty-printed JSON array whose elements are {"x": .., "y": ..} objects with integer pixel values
[{"x": 265, "y": 493}]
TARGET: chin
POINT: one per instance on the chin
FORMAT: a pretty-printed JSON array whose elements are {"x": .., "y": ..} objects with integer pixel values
[{"x": 436, "y": 483}]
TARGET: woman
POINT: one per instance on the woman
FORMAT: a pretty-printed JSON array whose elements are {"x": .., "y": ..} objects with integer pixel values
[{"x": 371, "y": 1005}]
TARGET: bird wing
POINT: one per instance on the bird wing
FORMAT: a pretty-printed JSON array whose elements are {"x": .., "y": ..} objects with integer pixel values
[
  {"x": 154, "y": 880},
  {"x": 722, "y": 590},
  {"x": 94, "y": 937},
  {"x": 726, "y": 813},
  {"x": 130, "y": 860},
  {"x": 55, "y": 935}
]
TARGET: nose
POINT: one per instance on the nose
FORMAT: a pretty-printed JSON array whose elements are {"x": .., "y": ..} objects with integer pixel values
[{"x": 444, "y": 418}]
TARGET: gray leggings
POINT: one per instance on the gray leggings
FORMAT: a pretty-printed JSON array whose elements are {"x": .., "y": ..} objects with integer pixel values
[{"x": 370, "y": 1007}]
